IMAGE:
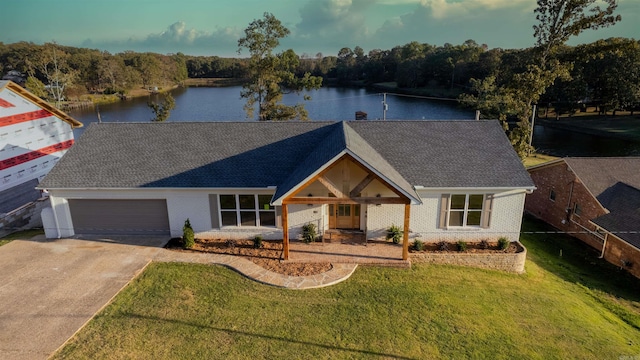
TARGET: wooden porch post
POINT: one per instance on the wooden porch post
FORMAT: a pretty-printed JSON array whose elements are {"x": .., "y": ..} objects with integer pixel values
[
  {"x": 405, "y": 239},
  {"x": 285, "y": 232}
]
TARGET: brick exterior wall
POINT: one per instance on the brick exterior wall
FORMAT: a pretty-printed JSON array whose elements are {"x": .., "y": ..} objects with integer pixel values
[
  {"x": 503, "y": 262},
  {"x": 559, "y": 213},
  {"x": 569, "y": 191},
  {"x": 23, "y": 218},
  {"x": 620, "y": 253}
]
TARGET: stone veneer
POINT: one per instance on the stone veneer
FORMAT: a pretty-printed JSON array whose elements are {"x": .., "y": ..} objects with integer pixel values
[{"x": 510, "y": 262}]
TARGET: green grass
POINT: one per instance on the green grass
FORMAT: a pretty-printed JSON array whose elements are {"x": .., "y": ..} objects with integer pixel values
[
  {"x": 26, "y": 234},
  {"x": 537, "y": 159},
  {"x": 624, "y": 127},
  {"x": 563, "y": 307}
]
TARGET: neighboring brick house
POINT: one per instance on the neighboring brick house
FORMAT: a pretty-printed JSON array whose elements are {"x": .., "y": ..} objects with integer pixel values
[
  {"x": 439, "y": 180},
  {"x": 596, "y": 200}
]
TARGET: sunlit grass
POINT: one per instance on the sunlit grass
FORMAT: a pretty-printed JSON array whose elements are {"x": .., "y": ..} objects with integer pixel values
[
  {"x": 563, "y": 307},
  {"x": 26, "y": 234},
  {"x": 537, "y": 159}
]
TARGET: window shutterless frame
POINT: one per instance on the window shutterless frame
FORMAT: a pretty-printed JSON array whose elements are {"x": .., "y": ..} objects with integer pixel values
[{"x": 246, "y": 210}]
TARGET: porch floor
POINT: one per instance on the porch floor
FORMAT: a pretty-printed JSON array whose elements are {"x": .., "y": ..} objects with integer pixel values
[{"x": 372, "y": 253}]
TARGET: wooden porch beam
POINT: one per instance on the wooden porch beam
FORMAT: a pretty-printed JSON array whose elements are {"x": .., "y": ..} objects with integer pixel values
[
  {"x": 363, "y": 184},
  {"x": 405, "y": 237},
  {"x": 357, "y": 200},
  {"x": 397, "y": 192},
  {"x": 313, "y": 179},
  {"x": 285, "y": 232},
  {"x": 331, "y": 187}
]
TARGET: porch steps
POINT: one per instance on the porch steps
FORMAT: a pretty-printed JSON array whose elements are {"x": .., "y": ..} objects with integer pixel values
[{"x": 344, "y": 236}]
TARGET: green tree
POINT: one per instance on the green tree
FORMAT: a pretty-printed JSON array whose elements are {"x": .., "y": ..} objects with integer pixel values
[
  {"x": 53, "y": 64},
  {"x": 558, "y": 20},
  {"x": 270, "y": 75},
  {"x": 162, "y": 110},
  {"x": 36, "y": 87}
]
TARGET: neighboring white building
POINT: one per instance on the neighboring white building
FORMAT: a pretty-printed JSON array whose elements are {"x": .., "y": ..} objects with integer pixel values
[
  {"x": 33, "y": 136},
  {"x": 439, "y": 180}
]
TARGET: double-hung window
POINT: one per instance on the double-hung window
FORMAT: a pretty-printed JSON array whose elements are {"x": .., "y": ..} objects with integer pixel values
[
  {"x": 246, "y": 210},
  {"x": 465, "y": 210}
]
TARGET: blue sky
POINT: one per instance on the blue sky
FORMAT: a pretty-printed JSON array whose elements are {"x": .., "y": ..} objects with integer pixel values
[{"x": 212, "y": 27}]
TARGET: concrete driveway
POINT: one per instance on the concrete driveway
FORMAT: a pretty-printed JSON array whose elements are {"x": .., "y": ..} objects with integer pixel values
[{"x": 51, "y": 288}]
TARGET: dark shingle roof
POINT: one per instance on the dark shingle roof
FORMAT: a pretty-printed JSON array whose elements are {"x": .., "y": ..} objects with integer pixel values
[
  {"x": 623, "y": 202},
  {"x": 599, "y": 174},
  {"x": 615, "y": 182},
  {"x": 447, "y": 153},
  {"x": 261, "y": 154}
]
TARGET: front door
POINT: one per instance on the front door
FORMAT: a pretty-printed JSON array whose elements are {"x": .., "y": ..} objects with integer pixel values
[{"x": 344, "y": 216}]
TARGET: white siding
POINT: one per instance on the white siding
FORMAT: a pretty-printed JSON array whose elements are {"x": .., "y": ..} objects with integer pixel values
[
  {"x": 194, "y": 204},
  {"x": 300, "y": 215},
  {"x": 506, "y": 218}
]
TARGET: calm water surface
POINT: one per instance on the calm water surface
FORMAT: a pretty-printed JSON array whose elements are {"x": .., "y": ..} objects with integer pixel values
[{"x": 329, "y": 103}]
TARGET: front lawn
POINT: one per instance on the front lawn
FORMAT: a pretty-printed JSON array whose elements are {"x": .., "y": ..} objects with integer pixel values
[{"x": 198, "y": 311}]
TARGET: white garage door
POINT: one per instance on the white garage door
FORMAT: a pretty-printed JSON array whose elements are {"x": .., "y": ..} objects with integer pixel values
[{"x": 134, "y": 217}]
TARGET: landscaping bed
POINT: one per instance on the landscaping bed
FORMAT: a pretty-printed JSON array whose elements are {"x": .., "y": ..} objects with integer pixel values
[
  {"x": 267, "y": 256},
  {"x": 480, "y": 255},
  {"x": 470, "y": 247}
]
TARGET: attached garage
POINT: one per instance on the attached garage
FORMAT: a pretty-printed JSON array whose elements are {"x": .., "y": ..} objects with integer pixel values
[{"x": 119, "y": 217}]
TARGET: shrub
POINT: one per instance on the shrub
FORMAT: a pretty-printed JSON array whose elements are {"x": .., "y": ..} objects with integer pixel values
[
  {"x": 503, "y": 243},
  {"x": 188, "y": 237},
  {"x": 418, "y": 245},
  {"x": 484, "y": 244},
  {"x": 257, "y": 242},
  {"x": 394, "y": 233},
  {"x": 462, "y": 246},
  {"x": 443, "y": 246},
  {"x": 309, "y": 233}
]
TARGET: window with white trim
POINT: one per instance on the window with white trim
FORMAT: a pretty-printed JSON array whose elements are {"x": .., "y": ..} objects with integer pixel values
[
  {"x": 465, "y": 210},
  {"x": 577, "y": 209},
  {"x": 246, "y": 210}
]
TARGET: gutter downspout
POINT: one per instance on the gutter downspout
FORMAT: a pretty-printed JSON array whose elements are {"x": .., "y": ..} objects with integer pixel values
[
  {"x": 570, "y": 196},
  {"x": 604, "y": 245},
  {"x": 55, "y": 219}
]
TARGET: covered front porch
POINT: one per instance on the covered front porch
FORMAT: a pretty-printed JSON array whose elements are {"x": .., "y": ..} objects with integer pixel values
[
  {"x": 337, "y": 197},
  {"x": 371, "y": 253}
]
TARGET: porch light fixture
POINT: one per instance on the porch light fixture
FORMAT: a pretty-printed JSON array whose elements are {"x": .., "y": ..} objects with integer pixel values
[
  {"x": 310, "y": 195},
  {"x": 378, "y": 195}
]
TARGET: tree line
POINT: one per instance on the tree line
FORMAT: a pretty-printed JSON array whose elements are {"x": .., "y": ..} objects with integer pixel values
[
  {"x": 605, "y": 73},
  {"x": 55, "y": 71}
]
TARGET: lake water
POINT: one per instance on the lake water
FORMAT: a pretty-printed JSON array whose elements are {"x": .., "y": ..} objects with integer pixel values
[{"x": 331, "y": 103}]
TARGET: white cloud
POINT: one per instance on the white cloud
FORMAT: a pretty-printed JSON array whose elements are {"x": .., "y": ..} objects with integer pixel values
[
  {"x": 499, "y": 23},
  {"x": 441, "y": 9},
  {"x": 178, "y": 38},
  {"x": 329, "y": 18}
]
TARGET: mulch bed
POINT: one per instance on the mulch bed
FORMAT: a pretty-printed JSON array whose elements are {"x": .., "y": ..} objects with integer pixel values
[
  {"x": 268, "y": 256},
  {"x": 472, "y": 248}
]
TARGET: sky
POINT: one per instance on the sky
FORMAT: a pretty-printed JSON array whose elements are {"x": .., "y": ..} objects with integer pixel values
[{"x": 213, "y": 27}]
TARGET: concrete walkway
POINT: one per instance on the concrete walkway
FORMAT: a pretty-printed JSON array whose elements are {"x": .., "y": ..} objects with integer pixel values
[
  {"x": 338, "y": 273},
  {"x": 52, "y": 288}
]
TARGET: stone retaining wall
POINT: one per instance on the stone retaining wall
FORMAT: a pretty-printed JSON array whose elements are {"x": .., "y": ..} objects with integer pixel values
[
  {"x": 510, "y": 262},
  {"x": 23, "y": 218}
]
